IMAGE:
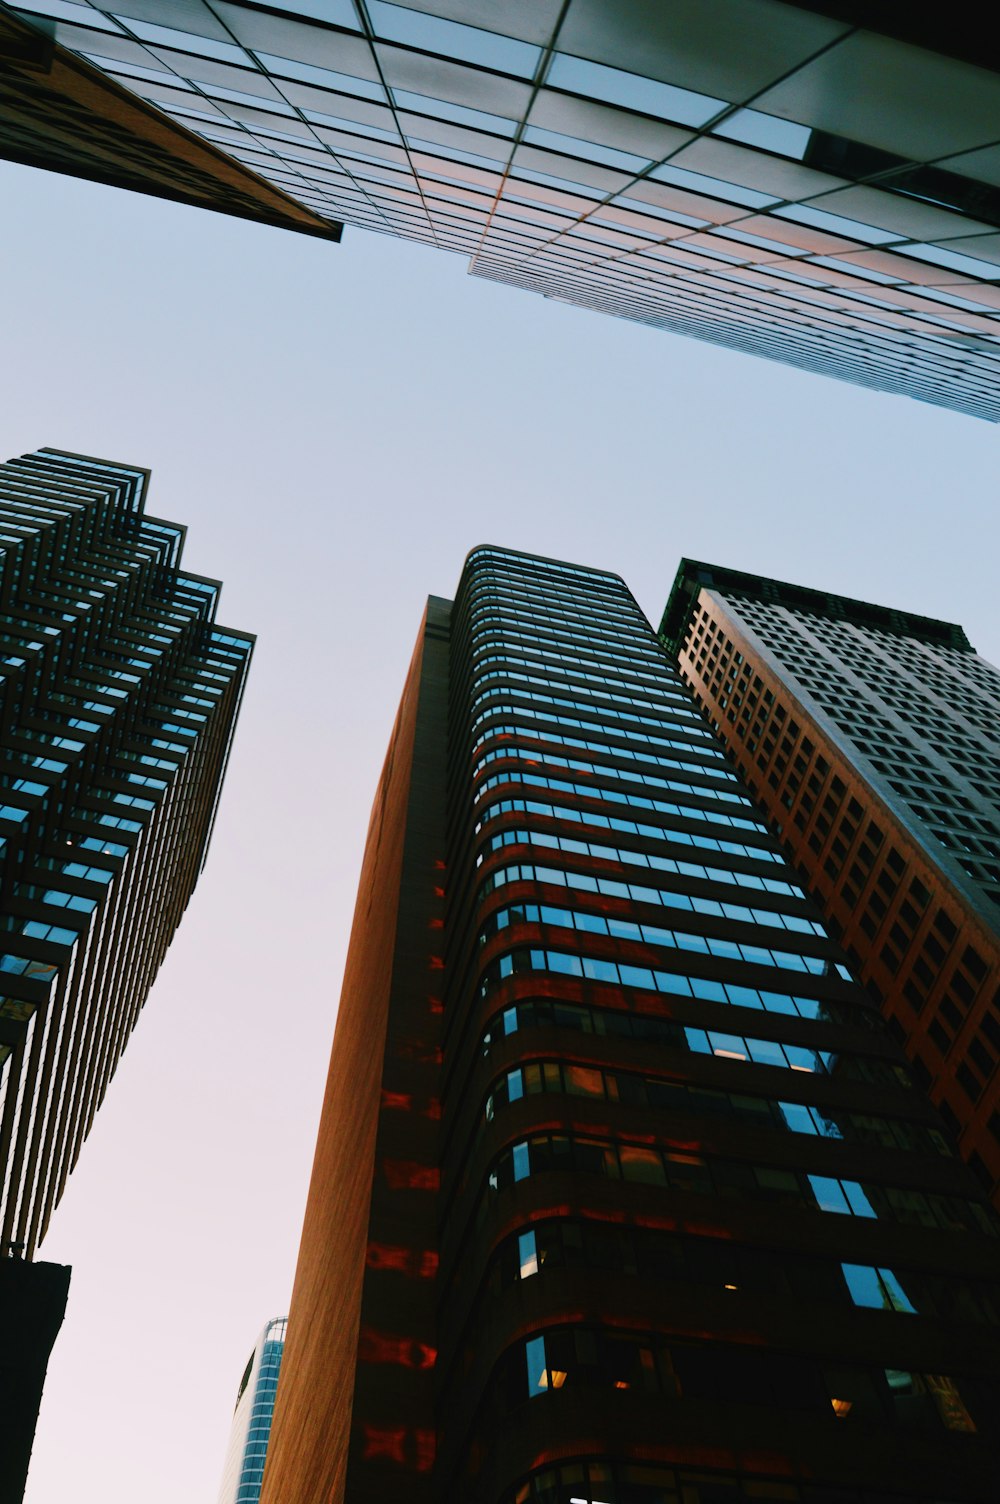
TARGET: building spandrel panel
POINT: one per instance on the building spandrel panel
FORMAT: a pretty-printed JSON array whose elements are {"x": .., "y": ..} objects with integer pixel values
[{"x": 794, "y": 186}]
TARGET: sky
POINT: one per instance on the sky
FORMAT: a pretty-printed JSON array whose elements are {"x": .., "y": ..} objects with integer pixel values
[{"x": 338, "y": 426}]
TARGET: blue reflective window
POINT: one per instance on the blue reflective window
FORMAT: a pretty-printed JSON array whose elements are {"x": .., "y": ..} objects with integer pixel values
[
  {"x": 632, "y": 91},
  {"x": 970, "y": 265},
  {"x": 697, "y": 183},
  {"x": 324, "y": 78},
  {"x": 864, "y": 1285},
  {"x": 443, "y": 109},
  {"x": 396, "y": 23},
  {"x": 829, "y": 1194},
  {"x": 805, "y": 214},
  {"x": 538, "y": 1377},
  {"x": 783, "y": 137},
  {"x": 168, "y": 36},
  {"x": 527, "y": 1253},
  {"x": 574, "y": 147}
]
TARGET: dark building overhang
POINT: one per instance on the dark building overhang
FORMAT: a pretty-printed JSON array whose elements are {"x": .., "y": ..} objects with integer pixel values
[
  {"x": 62, "y": 114},
  {"x": 694, "y": 575},
  {"x": 32, "y": 1304},
  {"x": 958, "y": 32}
]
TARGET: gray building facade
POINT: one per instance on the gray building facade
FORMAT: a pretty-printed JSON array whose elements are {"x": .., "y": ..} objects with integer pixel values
[
  {"x": 870, "y": 737},
  {"x": 119, "y": 694}
]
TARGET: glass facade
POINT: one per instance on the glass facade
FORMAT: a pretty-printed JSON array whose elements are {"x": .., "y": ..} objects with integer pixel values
[
  {"x": 251, "y": 1426},
  {"x": 699, "y": 1234},
  {"x": 762, "y": 175},
  {"x": 118, "y": 697},
  {"x": 869, "y": 735}
]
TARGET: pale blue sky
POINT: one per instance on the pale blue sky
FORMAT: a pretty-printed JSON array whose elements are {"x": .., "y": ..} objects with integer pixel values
[{"x": 338, "y": 425}]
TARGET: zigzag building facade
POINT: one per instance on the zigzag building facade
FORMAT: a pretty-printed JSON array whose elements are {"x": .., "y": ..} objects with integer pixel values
[
  {"x": 118, "y": 698},
  {"x": 623, "y": 1193}
]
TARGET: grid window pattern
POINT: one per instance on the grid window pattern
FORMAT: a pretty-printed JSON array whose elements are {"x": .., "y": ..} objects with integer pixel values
[
  {"x": 118, "y": 700},
  {"x": 763, "y": 176},
  {"x": 251, "y": 1428},
  {"x": 653, "y": 1030},
  {"x": 871, "y": 738}
]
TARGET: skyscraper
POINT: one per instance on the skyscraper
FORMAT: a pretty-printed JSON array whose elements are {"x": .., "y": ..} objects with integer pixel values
[
  {"x": 869, "y": 736},
  {"x": 119, "y": 696},
  {"x": 62, "y": 113},
  {"x": 812, "y": 183},
  {"x": 622, "y": 1192},
  {"x": 248, "y": 1437}
]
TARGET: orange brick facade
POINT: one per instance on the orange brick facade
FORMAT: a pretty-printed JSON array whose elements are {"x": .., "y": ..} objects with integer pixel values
[{"x": 361, "y": 1326}]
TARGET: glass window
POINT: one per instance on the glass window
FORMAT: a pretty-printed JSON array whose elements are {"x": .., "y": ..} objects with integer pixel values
[
  {"x": 538, "y": 1378},
  {"x": 574, "y": 147},
  {"x": 829, "y": 1194},
  {"x": 632, "y": 91},
  {"x": 396, "y": 23},
  {"x": 641, "y": 1166},
  {"x": 527, "y": 1253},
  {"x": 865, "y": 1286},
  {"x": 324, "y": 78},
  {"x": 584, "y": 1081},
  {"x": 753, "y": 127}
]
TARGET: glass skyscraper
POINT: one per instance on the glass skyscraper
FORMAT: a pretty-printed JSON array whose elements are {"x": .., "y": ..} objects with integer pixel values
[
  {"x": 813, "y": 183},
  {"x": 623, "y": 1192},
  {"x": 245, "y": 1456},
  {"x": 119, "y": 694},
  {"x": 869, "y": 735}
]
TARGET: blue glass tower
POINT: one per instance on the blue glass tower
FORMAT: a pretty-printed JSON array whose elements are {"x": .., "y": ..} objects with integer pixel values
[{"x": 251, "y": 1427}]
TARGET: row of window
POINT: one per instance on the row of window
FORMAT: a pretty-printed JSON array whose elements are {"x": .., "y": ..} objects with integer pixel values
[
  {"x": 614, "y": 822},
  {"x": 596, "y": 768},
  {"x": 598, "y": 665},
  {"x": 659, "y": 863},
  {"x": 624, "y": 718},
  {"x": 726, "y": 1045},
  {"x": 499, "y": 637},
  {"x": 602, "y": 590},
  {"x": 721, "y": 1264},
  {"x": 618, "y": 624},
  {"x": 56, "y": 898},
  {"x": 567, "y": 665},
  {"x": 547, "y": 1013},
  {"x": 644, "y": 738},
  {"x": 645, "y": 1164},
  {"x": 548, "y": 737},
  {"x": 648, "y": 934},
  {"x": 526, "y": 961},
  {"x": 638, "y": 1483},
  {"x": 517, "y": 566},
  {"x": 619, "y": 612},
  {"x": 36, "y": 929},
  {"x": 492, "y": 622},
  {"x": 576, "y": 1357},
  {"x": 634, "y": 1090}
]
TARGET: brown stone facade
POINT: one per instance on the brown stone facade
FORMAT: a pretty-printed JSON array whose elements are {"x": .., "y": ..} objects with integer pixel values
[
  {"x": 923, "y": 954},
  {"x": 361, "y": 1332}
]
